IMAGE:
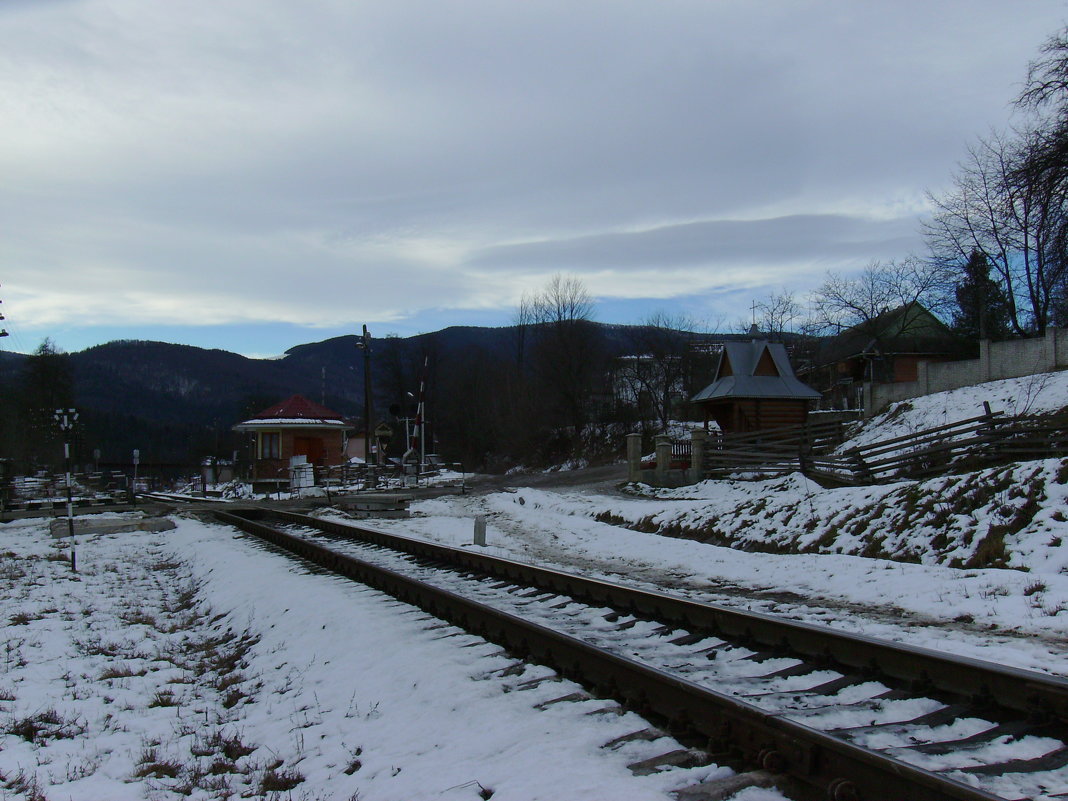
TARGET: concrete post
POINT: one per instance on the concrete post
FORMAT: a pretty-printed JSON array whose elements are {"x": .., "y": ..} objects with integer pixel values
[
  {"x": 869, "y": 399},
  {"x": 480, "y": 530},
  {"x": 697, "y": 454},
  {"x": 634, "y": 457},
  {"x": 1051, "y": 348},
  {"x": 984, "y": 360},
  {"x": 922, "y": 378},
  {"x": 663, "y": 458}
]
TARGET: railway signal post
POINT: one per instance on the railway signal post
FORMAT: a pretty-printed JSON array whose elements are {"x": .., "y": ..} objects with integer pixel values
[{"x": 65, "y": 419}]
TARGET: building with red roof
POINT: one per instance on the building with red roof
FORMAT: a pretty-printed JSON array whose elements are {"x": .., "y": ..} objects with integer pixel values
[{"x": 294, "y": 427}]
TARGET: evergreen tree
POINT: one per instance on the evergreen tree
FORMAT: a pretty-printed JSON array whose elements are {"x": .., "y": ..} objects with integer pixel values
[
  {"x": 47, "y": 385},
  {"x": 982, "y": 309}
]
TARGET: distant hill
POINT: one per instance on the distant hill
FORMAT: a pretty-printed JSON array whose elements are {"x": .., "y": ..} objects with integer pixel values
[{"x": 178, "y": 402}]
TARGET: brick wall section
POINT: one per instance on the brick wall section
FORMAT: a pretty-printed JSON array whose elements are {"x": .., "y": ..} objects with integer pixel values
[{"x": 997, "y": 360}]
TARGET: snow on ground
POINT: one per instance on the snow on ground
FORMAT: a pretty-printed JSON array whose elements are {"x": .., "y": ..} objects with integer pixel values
[
  {"x": 570, "y": 464},
  {"x": 922, "y": 561},
  {"x": 1035, "y": 394},
  {"x": 195, "y": 663},
  {"x": 1005, "y": 616},
  {"x": 241, "y": 490},
  {"x": 1008, "y": 516}
]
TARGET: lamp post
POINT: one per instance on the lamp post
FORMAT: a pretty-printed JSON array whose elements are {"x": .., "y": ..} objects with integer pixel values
[{"x": 65, "y": 419}]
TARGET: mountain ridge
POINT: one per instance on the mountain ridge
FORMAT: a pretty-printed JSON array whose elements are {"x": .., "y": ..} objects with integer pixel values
[{"x": 177, "y": 402}]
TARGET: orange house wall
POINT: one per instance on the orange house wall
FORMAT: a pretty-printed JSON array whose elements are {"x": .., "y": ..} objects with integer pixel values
[
  {"x": 905, "y": 368},
  {"x": 332, "y": 440}
]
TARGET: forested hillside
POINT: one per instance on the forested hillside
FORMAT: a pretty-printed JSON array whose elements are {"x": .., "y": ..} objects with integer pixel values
[{"x": 495, "y": 396}]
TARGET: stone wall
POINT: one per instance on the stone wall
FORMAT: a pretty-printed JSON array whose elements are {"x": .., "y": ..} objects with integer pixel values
[
  {"x": 1011, "y": 359},
  {"x": 662, "y": 475}
]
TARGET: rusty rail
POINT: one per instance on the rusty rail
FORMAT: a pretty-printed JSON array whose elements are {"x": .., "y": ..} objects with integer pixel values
[{"x": 837, "y": 769}]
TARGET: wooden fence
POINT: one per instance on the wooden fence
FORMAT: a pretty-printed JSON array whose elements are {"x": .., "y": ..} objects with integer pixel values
[
  {"x": 776, "y": 448},
  {"x": 981, "y": 441}
]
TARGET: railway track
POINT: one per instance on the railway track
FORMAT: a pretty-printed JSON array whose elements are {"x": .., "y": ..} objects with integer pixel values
[{"x": 843, "y": 716}]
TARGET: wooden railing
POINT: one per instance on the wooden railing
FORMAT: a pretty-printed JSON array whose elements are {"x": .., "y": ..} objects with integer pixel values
[
  {"x": 773, "y": 451},
  {"x": 930, "y": 451},
  {"x": 820, "y": 437},
  {"x": 969, "y": 444}
]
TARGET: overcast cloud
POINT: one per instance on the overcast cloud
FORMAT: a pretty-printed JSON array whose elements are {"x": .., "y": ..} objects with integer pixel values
[{"x": 266, "y": 172}]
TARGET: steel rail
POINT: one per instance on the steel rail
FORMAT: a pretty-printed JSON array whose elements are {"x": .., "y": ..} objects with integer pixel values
[
  {"x": 1034, "y": 694},
  {"x": 837, "y": 769}
]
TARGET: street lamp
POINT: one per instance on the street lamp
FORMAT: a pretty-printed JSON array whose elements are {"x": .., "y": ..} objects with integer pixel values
[{"x": 65, "y": 419}]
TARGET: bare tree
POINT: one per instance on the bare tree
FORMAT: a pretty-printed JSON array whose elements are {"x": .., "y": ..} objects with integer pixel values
[
  {"x": 567, "y": 354},
  {"x": 881, "y": 287},
  {"x": 1008, "y": 204},
  {"x": 656, "y": 375},
  {"x": 1008, "y": 201},
  {"x": 777, "y": 314},
  {"x": 1045, "y": 95},
  {"x": 522, "y": 320},
  {"x": 1047, "y": 76},
  {"x": 564, "y": 299}
]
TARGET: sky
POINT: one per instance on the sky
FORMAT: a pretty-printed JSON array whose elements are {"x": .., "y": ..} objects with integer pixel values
[{"x": 256, "y": 174}]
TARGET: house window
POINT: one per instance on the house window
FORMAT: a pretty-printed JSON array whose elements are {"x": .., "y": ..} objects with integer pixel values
[{"x": 270, "y": 445}]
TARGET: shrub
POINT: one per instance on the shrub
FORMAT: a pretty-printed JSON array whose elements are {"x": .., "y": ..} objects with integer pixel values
[
  {"x": 151, "y": 766},
  {"x": 231, "y": 747},
  {"x": 275, "y": 780},
  {"x": 120, "y": 670},
  {"x": 991, "y": 551},
  {"x": 48, "y": 724},
  {"x": 1034, "y": 588},
  {"x": 163, "y": 698}
]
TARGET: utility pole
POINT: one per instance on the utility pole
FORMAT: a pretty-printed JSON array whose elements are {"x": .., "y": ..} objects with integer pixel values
[
  {"x": 418, "y": 429},
  {"x": 65, "y": 419},
  {"x": 364, "y": 344},
  {"x": 420, "y": 415}
]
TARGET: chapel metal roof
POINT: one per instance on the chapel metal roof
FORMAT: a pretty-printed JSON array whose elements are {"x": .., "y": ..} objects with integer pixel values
[{"x": 743, "y": 359}]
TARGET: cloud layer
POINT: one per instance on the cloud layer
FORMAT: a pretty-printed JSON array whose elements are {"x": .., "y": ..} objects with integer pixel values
[{"x": 259, "y": 161}]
